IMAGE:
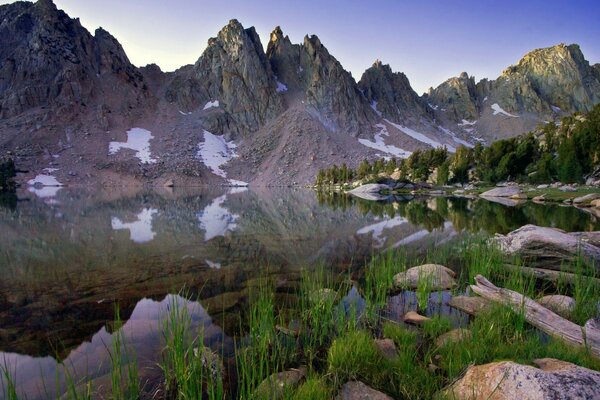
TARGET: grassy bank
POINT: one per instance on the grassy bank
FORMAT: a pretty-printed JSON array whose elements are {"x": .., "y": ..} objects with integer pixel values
[{"x": 330, "y": 336}]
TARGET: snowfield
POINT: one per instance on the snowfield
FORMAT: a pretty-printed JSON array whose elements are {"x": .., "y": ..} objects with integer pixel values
[
  {"x": 215, "y": 152},
  {"x": 138, "y": 139},
  {"x": 374, "y": 107},
  {"x": 379, "y": 144},
  {"x": 498, "y": 110},
  {"x": 281, "y": 87},
  {"x": 140, "y": 231},
  {"x": 415, "y": 135},
  {"x": 211, "y": 104}
]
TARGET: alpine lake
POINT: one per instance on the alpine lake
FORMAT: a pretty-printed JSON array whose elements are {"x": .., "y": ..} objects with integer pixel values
[{"x": 89, "y": 279}]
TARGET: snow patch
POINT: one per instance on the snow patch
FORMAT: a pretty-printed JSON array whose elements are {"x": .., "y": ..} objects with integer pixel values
[
  {"x": 485, "y": 99},
  {"x": 374, "y": 107},
  {"x": 45, "y": 179},
  {"x": 432, "y": 106},
  {"x": 556, "y": 109},
  {"x": 140, "y": 231},
  {"x": 185, "y": 113},
  {"x": 280, "y": 86},
  {"x": 465, "y": 123},
  {"x": 216, "y": 152},
  {"x": 379, "y": 144},
  {"x": 212, "y": 264},
  {"x": 455, "y": 138},
  {"x": 415, "y": 135},
  {"x": 498, "y": 110},
  {"x": 211, "y": 104},
  {"x": 138, "y": 139},
  {"x": 377, "y": 229},
  {"x": 216, "y": 220}
]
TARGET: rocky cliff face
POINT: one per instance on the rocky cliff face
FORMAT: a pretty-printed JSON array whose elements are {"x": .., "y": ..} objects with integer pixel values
[
  {"x": 544, "y": 79},
  {"x": 457, "y": 97},
  {"x": 390, "y": 94},
  {"x": 234, "y": 71},
  {"x": 323, "y": 82},
  {"x": 49, "y": 61}
]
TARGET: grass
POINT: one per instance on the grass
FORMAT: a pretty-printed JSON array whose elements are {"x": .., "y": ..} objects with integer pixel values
[{"x": 337, "y": 345}]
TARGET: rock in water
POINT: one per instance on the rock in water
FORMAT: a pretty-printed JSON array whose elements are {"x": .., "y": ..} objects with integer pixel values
[
  {"x": 547, "y": 248},
  {"x": 414, "y": 318},
  {"x": 436, "y": 277},
  {"x": 506, "y": 191},
  {"x": 561, "y": 305},
  {"x": 587, "y": 199},
  {"x": 370, "y": 191},
  {"x": 508, "y": 380},
  {"x": 356, "y": 390}
]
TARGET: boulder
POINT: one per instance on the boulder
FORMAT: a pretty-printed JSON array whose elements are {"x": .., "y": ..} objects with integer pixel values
[
  {"x": 414, "y": 318},
  {"x": 588, "y": 198},
  {"x": 545, "y": 247},
  {"x": 519, "y": 196},
  {"x": 561, "y": 305},
  {"x": 437, "y": 277},
  {"x": 567, "y": 188},
  {"x": 274, "y": 386},
  {"x": 454, "y": 336},
  {"x": 356, "y": 390},
  {"x": 539, "y": 199},
  {"x": 595, "y": 203},
  {"x": 507, "y": 380},
  {"x": 504, "y": 191},
  {"x": 387, "y": 348},
  {"x": 543, "y": 186},
  {"x": 370, "y": 191}
]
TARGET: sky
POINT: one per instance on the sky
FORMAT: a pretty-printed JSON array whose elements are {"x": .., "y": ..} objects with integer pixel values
[{"x": 429, "y": 41}]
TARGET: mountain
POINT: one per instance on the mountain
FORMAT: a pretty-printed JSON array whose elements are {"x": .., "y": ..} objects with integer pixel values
[
  {"x": 74, "y": 107},
  {"x": 545, "y": 84}
]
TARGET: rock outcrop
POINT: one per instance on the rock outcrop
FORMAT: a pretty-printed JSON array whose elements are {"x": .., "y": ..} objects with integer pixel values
[
  {"x": 507, "y": 380},
  {"x": 50, "y": 64},
  {"x": 322, "y": 81},
  {"x": 234, "y": 74},
  {"x": 390, "y": 94},
  {"x": 457, "y": 97}
]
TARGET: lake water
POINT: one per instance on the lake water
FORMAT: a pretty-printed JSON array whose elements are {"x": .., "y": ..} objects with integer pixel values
[{"x": 68, "y": 258}]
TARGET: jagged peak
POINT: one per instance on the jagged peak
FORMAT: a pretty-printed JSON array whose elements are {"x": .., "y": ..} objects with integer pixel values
[
  {"x": 276, "y": 34},
  {"x": 558, "y": 53},
  {"x": 46, "y": 5},
  {"x": 464, "y": 75}
]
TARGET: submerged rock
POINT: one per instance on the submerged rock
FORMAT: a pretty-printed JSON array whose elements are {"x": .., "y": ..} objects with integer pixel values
[
  {"x": 546, "y": 247},
  {"x": 561, "y": 305},
  {"x": 508, "y": 380},
  {"x": 356, "y": 390},
  {"x": 436, "y": 277}
]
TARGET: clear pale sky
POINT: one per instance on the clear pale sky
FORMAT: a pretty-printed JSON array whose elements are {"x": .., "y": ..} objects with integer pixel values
[{"x": 429, "y": 41}]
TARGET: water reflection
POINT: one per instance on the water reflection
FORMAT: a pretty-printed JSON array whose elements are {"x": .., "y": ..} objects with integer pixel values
[
  {"x": 66, "y": 265},
  {"x": 45, "y": 377}
]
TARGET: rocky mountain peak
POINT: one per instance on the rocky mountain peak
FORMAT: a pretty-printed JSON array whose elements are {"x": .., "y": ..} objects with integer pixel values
[
  {"x": 457, "y": 97},
  {"x": 548, "y": 79},
  {"x": 390, "y": 94},
  {"x": 234, "y": 71}
]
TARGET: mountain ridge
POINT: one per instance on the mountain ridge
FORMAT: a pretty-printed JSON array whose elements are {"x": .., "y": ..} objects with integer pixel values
[{"x": 289, "y": 110}]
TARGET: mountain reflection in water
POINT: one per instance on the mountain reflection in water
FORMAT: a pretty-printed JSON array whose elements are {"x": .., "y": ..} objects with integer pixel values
[{"x": 68, "y": 259}]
